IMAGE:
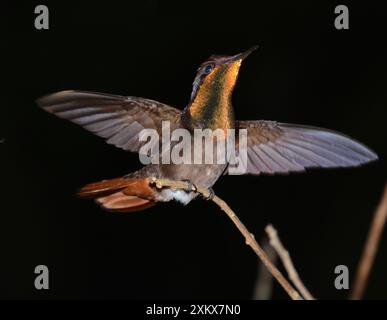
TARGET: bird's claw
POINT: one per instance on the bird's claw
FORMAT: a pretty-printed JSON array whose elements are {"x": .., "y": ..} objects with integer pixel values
[
  {"x": 191, "y": 187},
  {"x": 211, "y": 194}
]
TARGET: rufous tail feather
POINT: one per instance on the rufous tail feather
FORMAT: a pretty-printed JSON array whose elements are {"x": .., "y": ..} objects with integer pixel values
[{"x": 120, "y": 194}]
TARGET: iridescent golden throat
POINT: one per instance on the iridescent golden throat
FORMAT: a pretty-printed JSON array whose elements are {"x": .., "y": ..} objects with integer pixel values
[{"x": 211, "y": 106}]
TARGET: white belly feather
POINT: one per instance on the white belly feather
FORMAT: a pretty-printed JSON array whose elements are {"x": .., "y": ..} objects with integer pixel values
[{"x": 178, "y": 195}]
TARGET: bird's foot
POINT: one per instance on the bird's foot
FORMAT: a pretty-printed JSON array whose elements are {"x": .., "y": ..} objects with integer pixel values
[
  {"x": 191, "y": 187},
  {"x": 211, "y": 194}
]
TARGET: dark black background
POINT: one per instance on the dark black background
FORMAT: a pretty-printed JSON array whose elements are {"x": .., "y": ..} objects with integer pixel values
[{"x": 305, "y": 71}]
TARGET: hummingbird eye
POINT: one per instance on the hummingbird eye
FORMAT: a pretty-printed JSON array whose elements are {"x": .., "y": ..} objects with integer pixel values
[{"x": 208, "y": 68}]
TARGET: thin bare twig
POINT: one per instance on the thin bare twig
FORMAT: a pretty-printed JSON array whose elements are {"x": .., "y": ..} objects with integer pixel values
[
  {"x": 370, "y": 248},
  {"x": 250, "y": 240},
  {"x": 263, "y": 289},
  {"x": 287, "y": 262}
]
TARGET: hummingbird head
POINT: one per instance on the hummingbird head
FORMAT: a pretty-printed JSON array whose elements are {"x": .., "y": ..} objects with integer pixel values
[{"x": 210, "y": 103}]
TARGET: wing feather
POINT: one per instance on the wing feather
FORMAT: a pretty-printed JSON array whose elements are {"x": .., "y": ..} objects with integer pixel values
[
  {"x": 118, "y": 119},
  {"x": 281, "y": 148}
]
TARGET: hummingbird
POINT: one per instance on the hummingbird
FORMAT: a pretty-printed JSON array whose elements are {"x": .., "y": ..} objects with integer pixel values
[{"x": 272, "y": 147}]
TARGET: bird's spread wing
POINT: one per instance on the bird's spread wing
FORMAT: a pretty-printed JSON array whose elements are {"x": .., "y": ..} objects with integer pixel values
[
  {"x": 118, "y": 119},
  {"x": 280, "y": 148}
]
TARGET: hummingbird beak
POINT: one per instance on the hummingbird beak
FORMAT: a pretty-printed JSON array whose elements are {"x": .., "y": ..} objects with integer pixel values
[{"x": 243, "y": 55}]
